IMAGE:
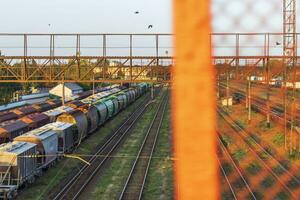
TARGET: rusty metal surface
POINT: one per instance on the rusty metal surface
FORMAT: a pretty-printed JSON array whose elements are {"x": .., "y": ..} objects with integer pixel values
[{"x": 75, "y": 58}]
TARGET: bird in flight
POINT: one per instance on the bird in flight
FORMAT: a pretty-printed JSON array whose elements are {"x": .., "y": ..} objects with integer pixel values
[
  {"x": 136, "y": 12},
  {"x": 150, "y": 26},
  {"x": 278, "y": 43},
  {"x": 49, "y": 24}
]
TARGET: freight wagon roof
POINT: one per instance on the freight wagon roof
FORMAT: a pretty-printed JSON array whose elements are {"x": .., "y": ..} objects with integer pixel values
[
  {"x": 16, "y": 147},
  {"x": 58, "y": 125},
  {"x": 41, "y": 133},
  {"x": 75, "y": 103},
  {"x": 7, "y": 116},
  {"x": 36, "y": 117},
  {"x": 58, "y": 111},
  {"x": 25, "y": 109},
  {"x": 12, "y": 126}
]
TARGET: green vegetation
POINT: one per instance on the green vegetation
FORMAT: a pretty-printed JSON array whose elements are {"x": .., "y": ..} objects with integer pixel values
[
  {"x": 293, "y": 184},
  {"x": 278, "y": 170},
  {"x": 241, "y": 124},
  {"x": 7, "y": 90},
  {"x": 55, "y": 175},
  {"x": 238, "y": 183},
  {"x": 159, "y": 184},
  {"x": 258, "y": 195},
  {"x": 264, "y": 156},
  {"x": 263, "y": 125},
  {"x": 226, "y": 195},
  {"x": 253, "y": 168},
  {"x": 226, "y": 140},
  {"x": 227, "y": 168},
  {"x": 278, "y": 139},
  {"x": 293, "y": 155},
  {"x": 111, "y": 183},
  {"x": 240, "y": 154},
  {"x": 267, "y": 182},
  {"x": 282, "y": 196}
]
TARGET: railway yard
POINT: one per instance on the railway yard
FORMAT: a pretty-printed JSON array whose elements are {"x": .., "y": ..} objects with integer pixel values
[
  {"x": 104, "y": 100},
  {"x": 258, "y": 159},
  {"x": 108, "y": 144}
]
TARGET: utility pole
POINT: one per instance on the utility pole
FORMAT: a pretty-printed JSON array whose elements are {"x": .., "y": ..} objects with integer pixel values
[{"x": 290, "y": 52}]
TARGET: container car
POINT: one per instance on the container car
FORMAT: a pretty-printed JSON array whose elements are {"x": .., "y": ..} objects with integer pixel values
[
  {"x": 46, "y": 140},
  {"x": 11, "y": 129}
]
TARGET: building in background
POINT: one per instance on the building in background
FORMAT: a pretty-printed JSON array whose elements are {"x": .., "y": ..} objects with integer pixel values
[{"x": 70, "y": 89}]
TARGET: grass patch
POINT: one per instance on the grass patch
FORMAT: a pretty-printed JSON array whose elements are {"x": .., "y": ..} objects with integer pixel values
[
  {"x": 226, "y": 140},
  {"x": 241, "y": 124},
  {"x": 263, "y": 125},
  {"x": 293, "y": 184},
  {"x": 226, "y": 195},
  {"x": 55, "y": 175},
  {"x": 278, "y": 170},
  {"x": 294, "y": 155},
  {"x": 253, "y": 168},
  {"x": 239, "y": 183},
  {"x": 159, "y": 184},
  {"x": 239, "y": 154},
  {"x": 258, "y": 195},
  {"x": 278, "y": 139},
  {"x": 264, "y": 156},
  {"x": 111, "y": 182},
  {"x": 227, "y": 168},
  {"x": 282, "y": 196},
  {"x": 267, "y": 182}
]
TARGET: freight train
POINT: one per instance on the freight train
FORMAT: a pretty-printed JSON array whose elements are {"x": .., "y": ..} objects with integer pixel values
[
  {"x": 23, "y": 159},
  {"x": 17, "y": 113},
  {"x": 26, "y": 118}
]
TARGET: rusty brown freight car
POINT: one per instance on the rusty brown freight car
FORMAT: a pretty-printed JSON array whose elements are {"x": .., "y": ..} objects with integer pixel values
[
  {"x": 8, "y": 115},
  {"x": 54, "y": 102},
  {"x": 43, "y": 106},
  {"x": 26, "y": 110},
  {"x": 11, "y": 129},
  {"x": 36, "y": 120}
]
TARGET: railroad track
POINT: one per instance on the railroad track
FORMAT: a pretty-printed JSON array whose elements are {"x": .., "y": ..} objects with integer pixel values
[
  {"x": 281, "y": 174},
  {"x": 75, "y": 186},
  {"x": 237, "y": 169},
  {"x": 134, "y": 185}
]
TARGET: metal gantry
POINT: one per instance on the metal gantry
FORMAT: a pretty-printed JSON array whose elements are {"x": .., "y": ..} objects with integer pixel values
[
  {"x": 113, "y": 58},
  {"x": 289, "y": 50}
]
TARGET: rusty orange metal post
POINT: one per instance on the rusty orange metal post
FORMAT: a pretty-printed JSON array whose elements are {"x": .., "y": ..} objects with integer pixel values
[{"x": 194, "y": 103}]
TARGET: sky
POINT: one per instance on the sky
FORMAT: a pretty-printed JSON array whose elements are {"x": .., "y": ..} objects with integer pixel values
[
  {"x": 118, "y": 16},
  {"x": 85, "y": 16}
]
